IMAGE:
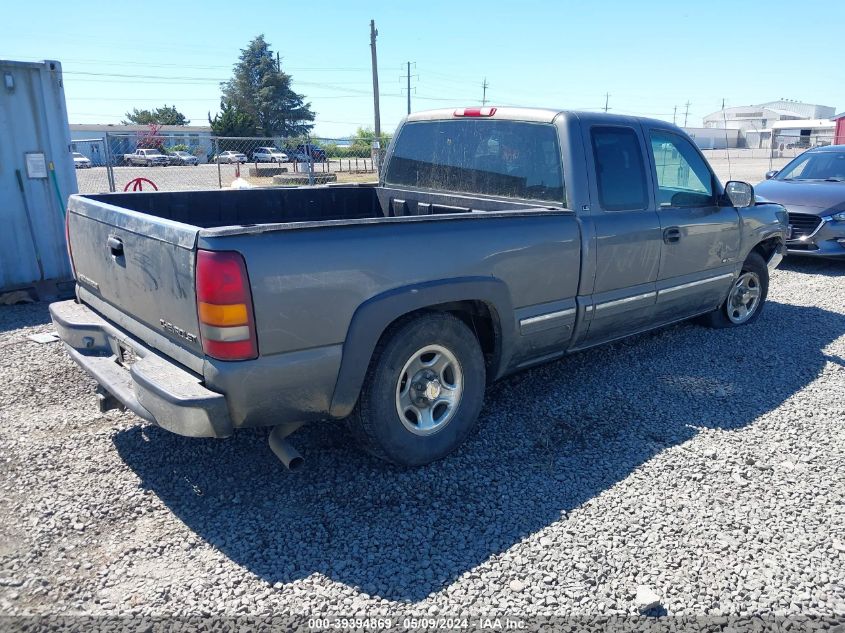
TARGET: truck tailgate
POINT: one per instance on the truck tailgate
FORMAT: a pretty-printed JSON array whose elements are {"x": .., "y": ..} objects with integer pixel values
[{"x": 139, "y": 265}]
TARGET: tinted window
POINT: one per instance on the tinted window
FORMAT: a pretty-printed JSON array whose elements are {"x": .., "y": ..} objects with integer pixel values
[
  {"x": 683, "y": 178},
  {"x": 620, "y": 171},
  {"x": 499, "y": 158}
]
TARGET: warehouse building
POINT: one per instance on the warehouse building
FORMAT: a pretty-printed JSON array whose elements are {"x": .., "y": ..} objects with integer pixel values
[{"x": 758, "y": 124}]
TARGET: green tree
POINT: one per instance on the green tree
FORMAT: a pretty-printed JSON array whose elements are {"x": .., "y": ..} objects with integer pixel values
[
  {"x": 231, "y": 121},
  {"x": 362, "y": 141},
  {"x": 261, "y": 89},
  {"x": 165, "y": 115}
]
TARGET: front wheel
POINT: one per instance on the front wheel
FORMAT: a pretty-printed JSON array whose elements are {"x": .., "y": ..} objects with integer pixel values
[
  {"x": 747, "y": 295},
  {"x": 423, "y": 391}
]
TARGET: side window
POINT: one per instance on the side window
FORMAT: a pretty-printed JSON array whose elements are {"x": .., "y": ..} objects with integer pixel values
[
  {"x": 619, "y": 169},
  {"x": 683, "y": 178}
]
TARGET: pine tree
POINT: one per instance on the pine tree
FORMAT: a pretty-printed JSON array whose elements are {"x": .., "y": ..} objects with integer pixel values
[{"x": 259, "y": 88}]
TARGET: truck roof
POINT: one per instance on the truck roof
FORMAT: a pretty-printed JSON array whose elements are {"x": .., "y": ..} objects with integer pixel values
[{"x": 509, "y": 113}]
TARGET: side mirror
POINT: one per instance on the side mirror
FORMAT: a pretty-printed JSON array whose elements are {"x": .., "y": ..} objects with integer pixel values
[
  {"x": 771, "y": 174},
  {"x": 741, "y": 194}
]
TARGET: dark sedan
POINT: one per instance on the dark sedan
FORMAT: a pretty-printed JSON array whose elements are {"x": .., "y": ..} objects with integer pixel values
[{"x": 812, "y": 188}]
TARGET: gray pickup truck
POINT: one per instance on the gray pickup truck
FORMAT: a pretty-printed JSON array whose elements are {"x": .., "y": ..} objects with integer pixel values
[{"x": 496, "y": 239}]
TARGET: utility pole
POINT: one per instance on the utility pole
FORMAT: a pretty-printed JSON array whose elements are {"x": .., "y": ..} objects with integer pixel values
[
  {"x": 373, "y": 34},
  {"x": 674, "y": 114},
  {"x": 606, "y": 100},
  {"x": 686, "y": 113},
  {"x": 484, "y": 85},
  {"x": 278, "y": 62},
  {"x": 408, "y": 79}
]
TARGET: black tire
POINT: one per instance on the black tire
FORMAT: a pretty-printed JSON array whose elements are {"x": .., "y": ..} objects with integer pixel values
[
  {"x": 376, "y": 423},
  {"x": 725, "y": 315}
]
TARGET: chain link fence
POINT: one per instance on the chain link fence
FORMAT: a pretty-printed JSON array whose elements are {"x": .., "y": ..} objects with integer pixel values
[
  {"x": 751, "y": 163},
  {"x": 193, "y": 161},
  {"x": 144, "y": 162}
]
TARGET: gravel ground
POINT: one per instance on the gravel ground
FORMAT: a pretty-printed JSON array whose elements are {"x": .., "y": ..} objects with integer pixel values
[{"x": 692, "y": 471}]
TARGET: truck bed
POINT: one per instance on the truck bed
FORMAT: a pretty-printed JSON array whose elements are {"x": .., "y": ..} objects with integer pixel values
[{"x": 212, "y": 209}]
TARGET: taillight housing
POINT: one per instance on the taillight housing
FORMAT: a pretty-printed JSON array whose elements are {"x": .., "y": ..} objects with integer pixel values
[{"x": 224, "y": 306}]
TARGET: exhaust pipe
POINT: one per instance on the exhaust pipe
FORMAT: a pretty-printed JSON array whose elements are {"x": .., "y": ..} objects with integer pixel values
[{"x": 279, "y": 444}]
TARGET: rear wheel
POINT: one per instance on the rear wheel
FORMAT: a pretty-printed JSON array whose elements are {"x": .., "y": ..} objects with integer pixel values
[
  {"x": 423, "y": 391},
  {"x": 747, "y": 295}
]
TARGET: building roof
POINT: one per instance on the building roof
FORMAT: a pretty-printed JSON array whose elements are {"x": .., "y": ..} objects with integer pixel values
[
  {"x": 803, "y": 124},
  {"x": 841, "y": 115},
  {"x": 117, "y": 127}
]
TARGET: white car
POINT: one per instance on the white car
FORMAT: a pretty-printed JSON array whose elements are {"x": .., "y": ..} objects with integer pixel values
[
  {"x": 80, "y": 161},
  {"x": 231, "y": 157},
  {"x": 269, "y": 155}
]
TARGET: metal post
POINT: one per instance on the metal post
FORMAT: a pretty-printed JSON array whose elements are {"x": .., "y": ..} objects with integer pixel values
[
  {"x": 109, "y": 163},
  {"x": 373, "y": 35},
  {"x": 310, "y": 154},
  {"x": 215, "y": 143}
]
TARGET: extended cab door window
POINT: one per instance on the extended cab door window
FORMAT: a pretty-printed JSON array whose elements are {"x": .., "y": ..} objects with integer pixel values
[
  {"x": 512, "y": 159},
  {"x": 683, "y": 178},
  {"x": 620, "y": 171}
]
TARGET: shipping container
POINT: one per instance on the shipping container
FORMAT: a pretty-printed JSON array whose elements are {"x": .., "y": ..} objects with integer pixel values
[{"x": 36, "y": 174}]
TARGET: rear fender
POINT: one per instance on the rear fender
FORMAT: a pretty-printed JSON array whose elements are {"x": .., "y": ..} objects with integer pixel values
[{"x": 374, "y": 316}]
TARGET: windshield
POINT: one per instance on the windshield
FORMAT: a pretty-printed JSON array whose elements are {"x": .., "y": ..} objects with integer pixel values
[
  {"x": 816, "y": 166},
  {"x": 78, "y": 155},
  {"x": 513, "y": 159}
]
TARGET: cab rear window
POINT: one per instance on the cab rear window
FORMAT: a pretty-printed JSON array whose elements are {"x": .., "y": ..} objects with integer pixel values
[{"x": 512, "y": 159}]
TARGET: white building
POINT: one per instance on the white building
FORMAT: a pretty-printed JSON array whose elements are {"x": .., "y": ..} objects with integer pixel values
[
  {"x": 748, "y": 118},
  {"x": 804, "y": 133},
  {"x": 89, "y": 139},
  {"x": 757, "y": 123},
  {"x": 714, "y": 138}
]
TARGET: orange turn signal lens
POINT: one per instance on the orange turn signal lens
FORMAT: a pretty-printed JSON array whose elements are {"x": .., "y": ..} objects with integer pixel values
[{"x": 215, "y": 314}]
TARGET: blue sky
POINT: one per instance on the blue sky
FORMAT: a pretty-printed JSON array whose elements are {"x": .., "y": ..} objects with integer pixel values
[{"x": 650, "y": 56}]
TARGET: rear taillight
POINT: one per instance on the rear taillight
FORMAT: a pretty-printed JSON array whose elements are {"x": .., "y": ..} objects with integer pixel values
[
  {"x": 67, "y": 243},
  {"x": 475, "y": 112},
  {"x": 224, "y": 306}
]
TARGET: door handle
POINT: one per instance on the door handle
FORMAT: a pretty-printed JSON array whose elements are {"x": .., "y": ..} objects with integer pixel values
[
  {"x": 115, "y": 246},
  {"x": 672, "y": 235}
]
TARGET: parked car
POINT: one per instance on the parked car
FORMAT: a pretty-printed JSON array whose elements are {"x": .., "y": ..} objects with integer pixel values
[
  {"x": 181, "y": 157},
  {"x": 80, "y": 161},
  {"x": 230, "y": 157},
  {"x": 812, "y": 188},
  {"x": 269, "y": 155},
  {"x": 498, "y": 238},
  {"x": 298, "y": 157},
  {"x": 146, "y": 157},
  {"x": 802, "y": 143},
  {"x": 304, "y": 152}
]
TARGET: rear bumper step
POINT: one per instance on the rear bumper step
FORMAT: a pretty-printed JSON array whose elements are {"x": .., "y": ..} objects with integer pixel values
[{"x": 154, "y": 388}]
